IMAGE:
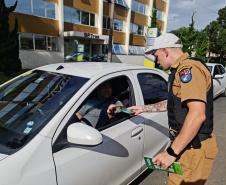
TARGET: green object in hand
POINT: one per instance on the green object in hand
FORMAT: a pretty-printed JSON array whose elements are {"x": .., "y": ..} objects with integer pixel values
[{"x": 125, "y": 110}]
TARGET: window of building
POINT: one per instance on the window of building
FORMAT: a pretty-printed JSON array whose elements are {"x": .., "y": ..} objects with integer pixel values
[
  {"x": 34, "y": 7},
  {"x": 118, "y": 24},
  {"x": 39, "y": 8},
  {"x": 78, "y": 17},
  {"x": 136, "y": 50},
  {"x": 75, "y": 16},
  {"x": 118, "y": 49},
  {"x": 92, "y": 19},
  {"x": 153, "y": 87},
  {"x": 85, "y": 18},
  {"x": 136, "y": 29},
  {"x": 67, "y": 14},
  {"x": 160, "y": 15},
  {"x": 50, "y": 10},
  {"x": 52, "y": 43},
  {"x": 39, "y": 42},
  {"x": 24, "y": 6},
  {"x": 119, "y": 2},
  {"x": 138, "y": 7},
  {"x": 26, "y": 41}
]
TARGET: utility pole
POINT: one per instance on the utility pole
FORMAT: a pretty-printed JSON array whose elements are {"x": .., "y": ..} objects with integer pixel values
[
  {"x": 110, "y": 41},
  {"x": 196, "y": 4}
]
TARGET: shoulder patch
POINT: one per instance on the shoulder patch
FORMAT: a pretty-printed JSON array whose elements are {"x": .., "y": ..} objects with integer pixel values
[{"x": 185, "y": 73}]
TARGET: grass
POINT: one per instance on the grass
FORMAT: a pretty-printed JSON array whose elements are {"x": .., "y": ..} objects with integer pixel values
[{"x": 4, "y": 78}]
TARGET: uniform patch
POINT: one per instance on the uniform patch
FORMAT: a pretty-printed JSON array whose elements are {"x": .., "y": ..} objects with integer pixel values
[{"x": 185, "y": 73}]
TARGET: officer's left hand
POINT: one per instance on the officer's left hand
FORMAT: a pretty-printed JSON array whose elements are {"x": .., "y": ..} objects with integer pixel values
[{"x": 164, "y": 159}]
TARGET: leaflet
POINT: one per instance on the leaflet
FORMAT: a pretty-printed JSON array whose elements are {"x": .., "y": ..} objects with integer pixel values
[
  {"x": 174, "y": 168},
  {"x": 125, "y": 110}
]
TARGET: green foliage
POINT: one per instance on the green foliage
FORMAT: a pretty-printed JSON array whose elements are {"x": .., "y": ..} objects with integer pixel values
[
  {"x": 189, "y": 38},
  {"x": 201, "y": 45},
  {"x": 154, "y": 23},
  {"x": 216, "y": 31},
  {"x": 222, "y": 17},
  {"x": 9, "y": 48}
]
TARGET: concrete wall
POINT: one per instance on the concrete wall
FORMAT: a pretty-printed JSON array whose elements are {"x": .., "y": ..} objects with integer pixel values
[
  {"x": 129, "y": 59},
  {"x": 33, "y": 59}
]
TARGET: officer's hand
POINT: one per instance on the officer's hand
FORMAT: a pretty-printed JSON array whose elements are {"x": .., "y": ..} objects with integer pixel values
[
  {"x": 164, "y": 159},
  {"x": 136, "y": 109}
]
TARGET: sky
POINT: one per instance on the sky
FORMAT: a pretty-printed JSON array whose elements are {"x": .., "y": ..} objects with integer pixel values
[{"x": 180, "y": 13}]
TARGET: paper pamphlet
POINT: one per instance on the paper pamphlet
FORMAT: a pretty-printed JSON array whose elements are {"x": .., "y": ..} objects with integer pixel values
[
  {"x": 127, "y": 111},
  {"x": 174, "y": 168}
]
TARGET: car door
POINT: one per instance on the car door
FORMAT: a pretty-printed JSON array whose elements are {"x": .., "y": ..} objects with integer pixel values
[
  {"x": 153, "y": 89},
  {"x": 216, "y": 81},
  {"x": 223, "y": 79},
  {"x": 117, "y": 160}
]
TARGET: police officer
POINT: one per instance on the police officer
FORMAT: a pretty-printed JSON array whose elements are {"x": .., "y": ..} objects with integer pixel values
[{"x": 190, "y": 112}]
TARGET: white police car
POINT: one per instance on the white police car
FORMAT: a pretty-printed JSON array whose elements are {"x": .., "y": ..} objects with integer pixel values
[{"x": 43, "y": 142}]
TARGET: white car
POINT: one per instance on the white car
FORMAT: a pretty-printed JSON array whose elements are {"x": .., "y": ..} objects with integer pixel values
[
  {"x": 219, "y": 78},
  {"x": 43, "y": 143}
]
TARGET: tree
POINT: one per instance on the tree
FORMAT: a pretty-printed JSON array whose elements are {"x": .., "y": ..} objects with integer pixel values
[
  {"x": 222, "y": 17},
  {"x": 188, "y": 40},
  {"x": 216, "y": 31},
  {"x": 201, "y": 46},
  {"x": 9, "y": 48},
  {"x": 154, "y": 23}
]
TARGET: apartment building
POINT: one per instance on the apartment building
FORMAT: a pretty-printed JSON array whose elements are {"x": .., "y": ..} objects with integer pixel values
[{"x": 54, "y": 31}]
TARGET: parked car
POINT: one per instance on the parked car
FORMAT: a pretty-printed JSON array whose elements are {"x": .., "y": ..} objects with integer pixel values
[
  {"x": 43, "y": 142},
  {"x": 74, "y": 57},
  {"x": 219, "y": 78}
]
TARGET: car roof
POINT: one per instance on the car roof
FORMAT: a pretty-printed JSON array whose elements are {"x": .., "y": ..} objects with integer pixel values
[{"x": 89, "y": 69}]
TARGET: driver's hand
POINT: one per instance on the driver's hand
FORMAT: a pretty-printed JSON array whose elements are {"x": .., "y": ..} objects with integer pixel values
[{"x": 111, "y": 109}]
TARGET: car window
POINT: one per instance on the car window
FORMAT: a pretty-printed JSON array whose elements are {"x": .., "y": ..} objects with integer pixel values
[
  {"x": 29, "y": 102},
  {"x": 221, "y": 69},
  {"x": 210, "y": 68},
  {"x": 153, "y": 87},
  {"x": 216, "y": 71},
  {"x": 93, "y": 110}
]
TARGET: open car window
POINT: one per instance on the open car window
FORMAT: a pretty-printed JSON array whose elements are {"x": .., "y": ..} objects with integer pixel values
[{"x": 94, "y": 111}]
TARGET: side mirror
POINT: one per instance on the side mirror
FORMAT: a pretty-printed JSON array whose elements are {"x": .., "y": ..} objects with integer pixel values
[
  {"x": 82, "y": 134},
  {"x": 218, "y": 76}
]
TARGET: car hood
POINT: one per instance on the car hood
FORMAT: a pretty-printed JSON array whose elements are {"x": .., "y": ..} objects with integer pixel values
[{"x": 3, "y": 156}]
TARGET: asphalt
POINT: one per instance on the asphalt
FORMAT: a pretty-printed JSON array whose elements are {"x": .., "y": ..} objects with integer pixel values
[{"x": 218, "y": 173}]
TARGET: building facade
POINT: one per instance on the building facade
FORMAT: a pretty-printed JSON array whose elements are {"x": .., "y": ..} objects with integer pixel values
[{"x": 54, "y": 31}]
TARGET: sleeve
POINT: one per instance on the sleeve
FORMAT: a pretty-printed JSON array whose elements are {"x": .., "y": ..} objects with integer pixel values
[{"x": 193, "y": 83}]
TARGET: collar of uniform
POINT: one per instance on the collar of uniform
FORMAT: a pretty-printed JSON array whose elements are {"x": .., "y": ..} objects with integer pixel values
[{"x": 181, "y": 58}]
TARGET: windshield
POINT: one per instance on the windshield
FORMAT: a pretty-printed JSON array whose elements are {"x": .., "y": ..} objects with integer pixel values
[{"x": 29, "y": 102}]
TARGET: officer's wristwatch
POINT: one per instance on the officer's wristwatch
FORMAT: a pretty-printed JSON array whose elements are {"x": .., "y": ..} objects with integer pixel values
[{"x": 171, "y": 152}]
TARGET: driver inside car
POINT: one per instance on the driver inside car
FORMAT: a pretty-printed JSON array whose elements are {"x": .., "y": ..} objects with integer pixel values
[{"x": 97, "y": 111}]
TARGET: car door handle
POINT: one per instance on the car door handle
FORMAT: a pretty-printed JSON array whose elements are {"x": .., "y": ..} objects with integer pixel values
[{"x": 137, "y": 131}]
